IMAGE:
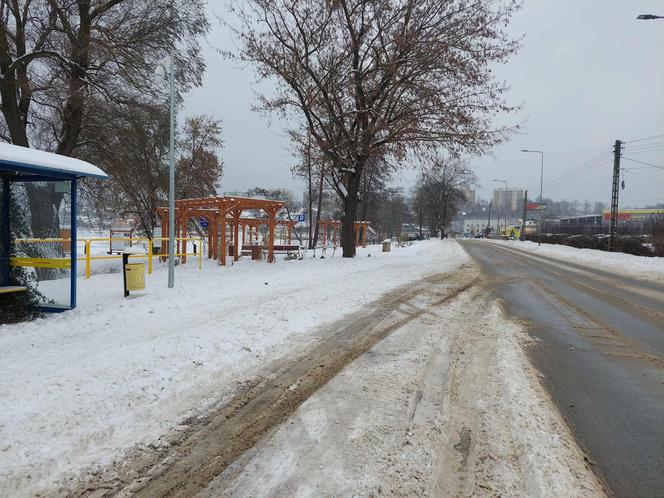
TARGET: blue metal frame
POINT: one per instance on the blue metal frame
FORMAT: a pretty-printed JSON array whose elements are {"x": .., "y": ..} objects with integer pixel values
[
  {"x": 5, "y": 235},
  {"x": 73, "y": 239}
]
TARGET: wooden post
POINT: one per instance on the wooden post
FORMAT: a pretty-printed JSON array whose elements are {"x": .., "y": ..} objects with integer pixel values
[
  {"x": 176, "y": 226},
  {"x": 164, "y": 233},
  {"x": 357, "y": 234},
  {"x": 244, "y": 228},
  {"x": 364, "y": 235},
  {"x": 183, "y": 233},
  {"x": 324, "y": 227},
  {"x": 209, "y": 227},
  {"x": 270, "y": 243},
  {"x": 223, "y": 248},
  {"x": 236, "y": 238}
]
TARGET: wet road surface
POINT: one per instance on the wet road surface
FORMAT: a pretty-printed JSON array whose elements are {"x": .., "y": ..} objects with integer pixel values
[{"x": 600, "y": 346}]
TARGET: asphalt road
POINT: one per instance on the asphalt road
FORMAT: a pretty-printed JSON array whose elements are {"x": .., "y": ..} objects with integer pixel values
[{"x": 600, "y": 346}]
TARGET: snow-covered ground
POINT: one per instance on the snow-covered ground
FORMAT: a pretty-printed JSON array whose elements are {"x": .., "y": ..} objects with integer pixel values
[
  {"x": 81, "y": 387},
  {"x": 636, "y": 266},
  {"x": 446, "y": 405}
]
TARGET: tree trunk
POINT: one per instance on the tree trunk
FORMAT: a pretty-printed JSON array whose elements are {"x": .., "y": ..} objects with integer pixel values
[
  {"x": 443, "y": 221},
  {"x": 310, "y": 241},
  {"x": 320, "y": 202},
  {"x": 350, "y": 215}
]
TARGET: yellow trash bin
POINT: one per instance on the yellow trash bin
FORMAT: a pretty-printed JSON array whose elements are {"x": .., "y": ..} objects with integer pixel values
[{"x": 133, "y": 274}]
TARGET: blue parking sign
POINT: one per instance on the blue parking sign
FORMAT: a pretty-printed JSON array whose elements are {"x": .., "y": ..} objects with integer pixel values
[
  {"x": 300, "y": 218},
  {"x": 204, "y": 222}
]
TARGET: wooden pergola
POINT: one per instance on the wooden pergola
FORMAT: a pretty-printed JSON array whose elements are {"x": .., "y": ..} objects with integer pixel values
[
  {"x": 221, "y": 213},
  {"x": 360, "y": 231},
  {"x": 251, "y": 226}
]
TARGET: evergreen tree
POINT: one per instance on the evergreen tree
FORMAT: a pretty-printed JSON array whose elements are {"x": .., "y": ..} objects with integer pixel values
[{"x": 19, "y": 306}]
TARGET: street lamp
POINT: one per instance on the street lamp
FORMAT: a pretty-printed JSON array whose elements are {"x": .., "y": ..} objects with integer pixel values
[
  {"x": 504, "y": 205},
  {"x": 171, "y": 182},
  {"x": 648, "y": 17},
  {"x": 539, "y": 207}
]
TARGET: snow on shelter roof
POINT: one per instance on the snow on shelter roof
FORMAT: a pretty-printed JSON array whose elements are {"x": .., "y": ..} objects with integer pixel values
[{"x": 17, "y": 158}]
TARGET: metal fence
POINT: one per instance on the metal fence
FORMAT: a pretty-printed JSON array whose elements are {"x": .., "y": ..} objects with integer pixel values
[{"x": 635, "y": 228}]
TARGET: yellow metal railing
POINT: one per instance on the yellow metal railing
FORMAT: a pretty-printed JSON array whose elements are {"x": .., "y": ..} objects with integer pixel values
[{"x": 65, "y": 263}]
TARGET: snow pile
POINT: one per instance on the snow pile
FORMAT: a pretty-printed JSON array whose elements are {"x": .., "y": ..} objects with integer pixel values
[
  {"x": 525, "y": 423},
  {"x": 628, "y": 264},
  {"x": 82, "y": 387}
]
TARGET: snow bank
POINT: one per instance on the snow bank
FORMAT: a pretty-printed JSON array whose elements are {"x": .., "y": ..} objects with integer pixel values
[
  {"x": 82, "y": 387},
  {"x": 628, "y": 264},
  {"x": 550, "y": 462}
]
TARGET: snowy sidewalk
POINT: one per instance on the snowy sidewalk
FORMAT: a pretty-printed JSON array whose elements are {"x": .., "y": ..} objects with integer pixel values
[{"x": 82, "y": 387}]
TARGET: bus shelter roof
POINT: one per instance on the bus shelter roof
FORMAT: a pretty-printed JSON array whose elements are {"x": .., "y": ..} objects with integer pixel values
[{"x": 24, "y": 161}]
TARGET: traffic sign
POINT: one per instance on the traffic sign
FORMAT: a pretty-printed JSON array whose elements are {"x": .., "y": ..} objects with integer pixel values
[
  {"x": 204, "y": 222},
  {"x": 300, "y": 218}
]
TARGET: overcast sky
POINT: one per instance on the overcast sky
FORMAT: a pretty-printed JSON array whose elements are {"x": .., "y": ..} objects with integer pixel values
[{"x": 588, "y": 73}]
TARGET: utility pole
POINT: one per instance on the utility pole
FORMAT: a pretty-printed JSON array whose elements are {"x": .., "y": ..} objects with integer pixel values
[
  {"x": 617, "y": 149},
  {"x": 523, "y": 222},
  {"x": 488, "y": 232}
]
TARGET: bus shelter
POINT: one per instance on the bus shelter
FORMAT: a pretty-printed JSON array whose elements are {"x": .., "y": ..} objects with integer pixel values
[{"x": 52, "y": 260}]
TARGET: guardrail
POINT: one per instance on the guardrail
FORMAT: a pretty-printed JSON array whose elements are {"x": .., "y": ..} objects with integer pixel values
[{"x": 65, "y": 263}]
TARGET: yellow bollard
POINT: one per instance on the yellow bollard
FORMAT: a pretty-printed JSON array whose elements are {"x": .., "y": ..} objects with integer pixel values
[
  {"x": 87, "y": 259},
  {"x": 149, "y": 257}
]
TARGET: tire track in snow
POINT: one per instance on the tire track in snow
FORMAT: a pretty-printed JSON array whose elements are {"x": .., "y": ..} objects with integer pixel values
[{"x": 209, "y": 445}]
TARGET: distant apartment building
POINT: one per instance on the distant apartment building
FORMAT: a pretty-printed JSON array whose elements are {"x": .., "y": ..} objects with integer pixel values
[
  {"x": 468, "y": 196},
  {"x": 510, "y": 199}
]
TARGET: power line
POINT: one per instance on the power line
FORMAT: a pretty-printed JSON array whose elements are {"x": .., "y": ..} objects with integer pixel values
[
  {"x": 584, "y": 168},
  {"x": 643, "y": 139},
  {"x": 641, "y": 162},
  {"x": 589, "y": 166},
  {"x": 645, "y": 147},
  {"x": 644, "y": 176}
]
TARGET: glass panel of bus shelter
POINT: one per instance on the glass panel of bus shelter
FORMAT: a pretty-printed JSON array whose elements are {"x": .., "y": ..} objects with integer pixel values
[{"x": 46, "y": 256}]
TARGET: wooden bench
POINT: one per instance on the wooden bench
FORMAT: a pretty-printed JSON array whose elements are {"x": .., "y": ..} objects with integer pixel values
[
  {"x": 278, "y": 249},
  {"x": 9, "y": 289}
]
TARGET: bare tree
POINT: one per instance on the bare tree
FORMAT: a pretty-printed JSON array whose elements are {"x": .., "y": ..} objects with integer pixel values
[
  {"x": 311, "y": 167},
  {"x": 58, "y": 56},
  {"x": 379, "y": 77},
  {"x": 199, "y": 169},
  {"x": 136, "y": 160},
  {"x": 388, "y": 214},
  {"x": 439, "y": 189}
]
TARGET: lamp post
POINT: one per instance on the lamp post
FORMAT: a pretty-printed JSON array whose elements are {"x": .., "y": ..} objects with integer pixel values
[
  {"x": 504, "y": 205},
  {"x": 171, "y": 182},
  {"x": 539, "y": 210}
]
